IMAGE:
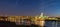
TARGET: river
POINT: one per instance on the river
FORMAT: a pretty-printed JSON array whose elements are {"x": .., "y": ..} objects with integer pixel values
[{"x": 52, "y": 24}]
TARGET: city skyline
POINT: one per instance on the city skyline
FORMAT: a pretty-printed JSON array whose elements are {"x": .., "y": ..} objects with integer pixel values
[{"x": 30, "y": 7}]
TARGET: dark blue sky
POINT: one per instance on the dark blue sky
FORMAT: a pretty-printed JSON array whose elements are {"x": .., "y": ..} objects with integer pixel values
[{"x": 30, "y": 7}]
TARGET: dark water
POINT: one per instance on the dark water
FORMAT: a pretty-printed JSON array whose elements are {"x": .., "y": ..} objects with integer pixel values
[
  {"x": 52, "y": 24},
  {"x": 47, "y": 24}
]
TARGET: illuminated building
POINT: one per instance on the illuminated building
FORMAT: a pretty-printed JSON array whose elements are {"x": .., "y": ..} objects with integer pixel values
[{"x": 40, "y": 20}]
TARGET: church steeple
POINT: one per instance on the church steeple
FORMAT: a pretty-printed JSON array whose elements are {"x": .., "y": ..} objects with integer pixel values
[{"x": 41, "y": 14}]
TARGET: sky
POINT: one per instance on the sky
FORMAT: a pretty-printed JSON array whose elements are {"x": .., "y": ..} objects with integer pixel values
[{"x": 30, "y": 7}]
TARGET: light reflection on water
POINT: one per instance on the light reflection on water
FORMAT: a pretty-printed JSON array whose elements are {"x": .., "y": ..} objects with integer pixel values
[{"x": 52, "y": 24}]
